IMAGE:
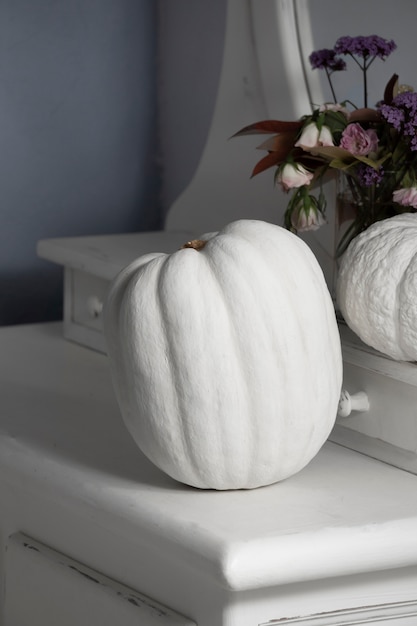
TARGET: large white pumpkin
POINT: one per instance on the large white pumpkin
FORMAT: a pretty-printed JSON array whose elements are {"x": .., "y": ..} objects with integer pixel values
[
  {"x": 377, "y": 286},
  {"x": 226, "y": 357}
]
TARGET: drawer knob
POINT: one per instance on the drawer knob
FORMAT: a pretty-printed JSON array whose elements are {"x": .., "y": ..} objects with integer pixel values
[
  {"x": 352, "y": 402},
  {"x": 94, "y": 306}
]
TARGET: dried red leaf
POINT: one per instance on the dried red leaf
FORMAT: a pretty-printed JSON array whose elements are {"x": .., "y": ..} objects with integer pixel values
[
  {"x": 365, "y": 115},
  {"x": 278, "y": 143},
  {"x": 268, "y": 126},
  {"x": 270, "y": 160},
  {"x": 391, "y": 89}
]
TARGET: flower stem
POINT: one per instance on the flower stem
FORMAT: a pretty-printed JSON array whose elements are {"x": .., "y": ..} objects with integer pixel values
[
  {"x": 364, "y": 68},
  {"x": 365, "y": 87},
  {"x": 328, "y": 74}
]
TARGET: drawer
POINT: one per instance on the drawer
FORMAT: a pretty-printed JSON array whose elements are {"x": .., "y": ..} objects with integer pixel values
[
  {"x": 84, "y": 297},
  {"x": 388, "y": 429},
  {"x": 90, "y": 264},
  {"x": 87, "y": 295}
]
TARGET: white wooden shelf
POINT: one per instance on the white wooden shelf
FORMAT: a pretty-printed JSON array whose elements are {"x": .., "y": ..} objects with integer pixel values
[{"x": 90, "y": 263}]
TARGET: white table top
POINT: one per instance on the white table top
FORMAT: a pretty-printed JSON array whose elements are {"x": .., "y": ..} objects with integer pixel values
[
  {"x": 105, "y": 255},
  {"x": 60, "y": 431}
]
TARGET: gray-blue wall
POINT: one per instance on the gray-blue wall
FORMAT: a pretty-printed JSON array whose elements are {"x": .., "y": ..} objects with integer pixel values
[
  {"x": 191, "y": 39},
  {"x": 78, "y": 135}
]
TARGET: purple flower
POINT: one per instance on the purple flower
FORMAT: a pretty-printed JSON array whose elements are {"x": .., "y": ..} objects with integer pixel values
[
  {"x": 369, "y": 176},
  {"x": 359, "y": 141},
  {"x": 326, "y": 59},
  {"x": 406, "y": 101},
  {"x": 394, "y": 116},
  {"x": 402, "y": 115},
  {"x": 371, "y": 46}
]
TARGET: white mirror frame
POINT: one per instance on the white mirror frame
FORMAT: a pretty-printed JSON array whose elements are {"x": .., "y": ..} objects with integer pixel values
[
  {"x": 263, "y": 76},
  {"x": 283, "y": 42},
  {"x": 277, "y": 35}
]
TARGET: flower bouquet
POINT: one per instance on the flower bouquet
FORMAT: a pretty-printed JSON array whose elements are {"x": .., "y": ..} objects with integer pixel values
[{"x": 374, "y": 150}]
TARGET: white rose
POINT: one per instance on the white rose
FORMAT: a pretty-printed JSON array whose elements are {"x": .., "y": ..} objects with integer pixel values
[
  {"x": 291, "y": 176},
  {"x": 303, "y": 220},
  {"x": 311, "y": 137}
]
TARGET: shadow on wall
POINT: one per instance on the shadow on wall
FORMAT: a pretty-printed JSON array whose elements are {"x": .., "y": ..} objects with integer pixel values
[
  {"x": 191, "y": 41},
  {"x": 78, "y": 152}
]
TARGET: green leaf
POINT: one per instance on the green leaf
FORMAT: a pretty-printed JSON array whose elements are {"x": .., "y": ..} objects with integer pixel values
[
  {"x": 330, "y": 152},
  {"x": 338, "y": 164}
]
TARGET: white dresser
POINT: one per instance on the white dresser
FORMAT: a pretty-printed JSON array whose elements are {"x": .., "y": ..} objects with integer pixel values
[{"x": 92, "y": 534}]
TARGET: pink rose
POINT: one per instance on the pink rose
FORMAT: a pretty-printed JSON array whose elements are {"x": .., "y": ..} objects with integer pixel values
[
  {"x": 312, "y": 137},
  {"x": 303, "y": 220},
  {"x": 406, "y": 196},
  {"x": 359, "y": 141},
  {"x": 291, "y": 176}
]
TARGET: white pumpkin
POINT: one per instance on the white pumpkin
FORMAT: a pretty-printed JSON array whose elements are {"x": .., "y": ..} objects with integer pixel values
[
  {"x": 377, "y": 286},
  {"x": 226, "y": 357}
]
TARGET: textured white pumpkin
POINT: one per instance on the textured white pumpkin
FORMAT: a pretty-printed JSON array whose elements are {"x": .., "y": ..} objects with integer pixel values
[
  {"x": 377, "y": 286},
  {"x": 226, "y": 360}
]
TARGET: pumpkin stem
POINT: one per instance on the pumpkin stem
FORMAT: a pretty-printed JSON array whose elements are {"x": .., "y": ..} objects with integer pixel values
[{"x": 196, "y": 244}]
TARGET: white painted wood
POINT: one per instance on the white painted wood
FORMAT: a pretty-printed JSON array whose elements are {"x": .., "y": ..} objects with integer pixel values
[
  {"x": 105, "y": 255},
  {"x": 338, "y": 535},
  {"x": 388, "y": 430},
  {"x": 283, "y": 41},
  {"x": 45, "y": 587},
  {"x": 359, "y": 354},
  {"x": 221, "y": 189},
  {"x": 333, "y": 538},
  {"x": 314, "y": 533},
  {"x": 89, "y": 294},
  {"x": 276, "y": 28},
  {"x": 90, "y": 263},
  {"x": 84, "y": 298},
  {"x": 400, "y": 614},
  {"x": 349, "y": 403},
  {"x": 262, "y": 77}
]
